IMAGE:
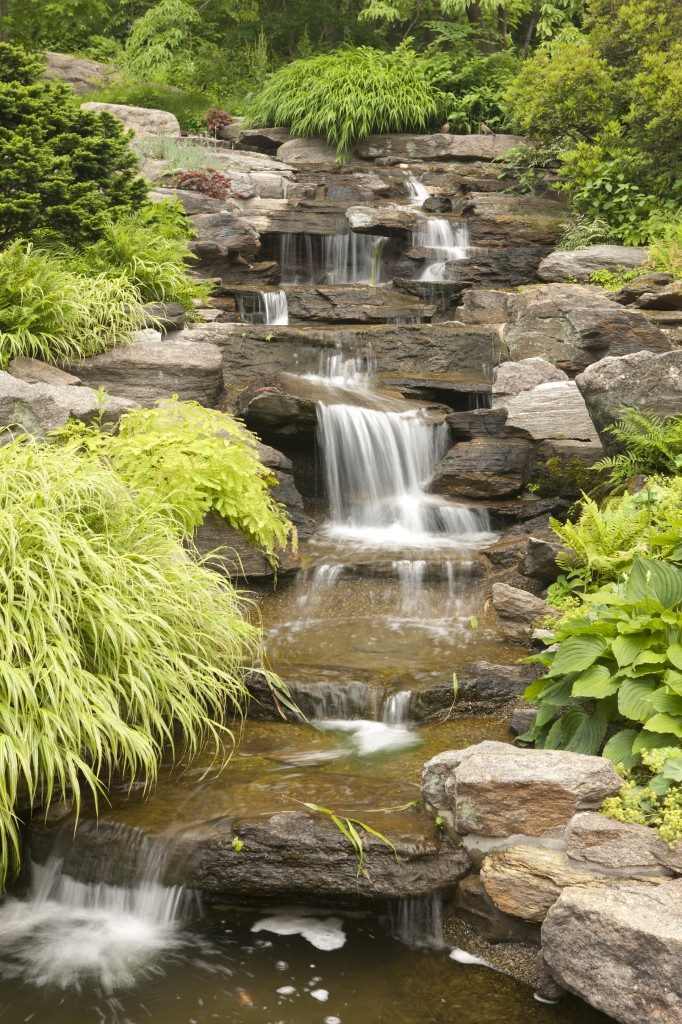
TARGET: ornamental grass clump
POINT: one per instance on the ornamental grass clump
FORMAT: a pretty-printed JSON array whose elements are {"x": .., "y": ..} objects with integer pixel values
[
  {"x": 116, "y": 643},
  {"x": 351, "y": 93},
  {"x": 50, "y": 312}
]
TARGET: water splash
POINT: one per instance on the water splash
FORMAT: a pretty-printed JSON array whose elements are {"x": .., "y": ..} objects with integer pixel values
[
  {"x": 416, "y": 191},
  {"x": 264, "y": 307},
  {"x": 67, "y": 932},
  {"x": 448, "y": 242}
]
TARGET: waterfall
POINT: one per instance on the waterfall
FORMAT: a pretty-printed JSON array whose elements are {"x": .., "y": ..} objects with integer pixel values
[
  {"x": 346, "y": 258},
  {"x": 68, "y": 931},
  {"x": 396, "y": 709},
  {"x": 376, "y": 465},
  {"x": 341, "y": 366},
  {"x": 418, "y": 922},
  {"x": 264, "y": 307},
  {"x": 416, "y": 191},
  {"x": 438, "y": 235}
]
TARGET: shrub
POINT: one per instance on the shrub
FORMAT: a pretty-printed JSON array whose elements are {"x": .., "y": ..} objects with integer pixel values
[
  {"x": 665, "y": 245},
  {"x": 113, "y": 637},
  {"x": 50, "y": 312},
  {"x": 619, "y": 662},
  {"x": 217, "y": 119},
  {"x": 477, "y": 91},
  {"x": 651, "y": 794},
  {"x": 347, "y": 95},
  {"x": 582, "y": 232},
  {"x": 196, "y": 460},
  {"x": 63, "y": 170}
]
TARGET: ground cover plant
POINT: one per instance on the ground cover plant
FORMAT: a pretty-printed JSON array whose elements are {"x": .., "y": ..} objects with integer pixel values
[{"x": 116, "y": 642}]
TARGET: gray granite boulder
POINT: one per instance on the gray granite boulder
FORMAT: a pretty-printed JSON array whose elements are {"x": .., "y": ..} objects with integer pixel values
[
  {"x": 142, "y": 120},
  {"x": 38, "y": 408},
  {"x": 580, "y": 264}
]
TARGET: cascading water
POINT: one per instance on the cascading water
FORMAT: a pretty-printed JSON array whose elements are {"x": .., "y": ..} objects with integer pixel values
[
  {"x": 68, "y": 931},
  {"x": 377, "y": 463},
  {"x": 396, "y": 710},
  {"x": 346, "y": 258},
  {"x": 264, "y": 307},
  {"x": 437, "y": 234}
]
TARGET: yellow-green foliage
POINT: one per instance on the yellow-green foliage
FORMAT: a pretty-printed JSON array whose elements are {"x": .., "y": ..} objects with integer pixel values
[
  {"x": 654, "y": 800},
  {"x": 606, "y": 539},
  {"x": 116, "y": 643},
  {"x": 196, "y": 460}
]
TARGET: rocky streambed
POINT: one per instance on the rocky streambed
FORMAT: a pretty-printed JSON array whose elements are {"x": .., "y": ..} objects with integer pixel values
[{"x": 412, "y": 353}]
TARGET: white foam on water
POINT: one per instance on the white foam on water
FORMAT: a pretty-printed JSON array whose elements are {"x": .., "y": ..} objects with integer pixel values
[
  {"x": 369, "y": 737},
  {"x": 462, "y": 957},
  {"x": 286, "y": 990},
  {"x": 325, "y": 934},
  {"x": 68, "y": 932},
  {"x": 320, "y": 994}
]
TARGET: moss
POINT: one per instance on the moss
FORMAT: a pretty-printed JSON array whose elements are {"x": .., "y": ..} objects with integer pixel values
[{"x": 561, "y": 476}]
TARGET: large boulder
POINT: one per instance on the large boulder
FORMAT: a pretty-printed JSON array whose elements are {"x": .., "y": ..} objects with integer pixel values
[
  {"x": 141, "y": 120},
  {"x": 151, "y": 368},
  {"x": 575, "y": 325},
  {"x": 620, "y": 949},
  {"x": 553, "y": 410},
  {"x": 500, "y": 219},
  {"x": 580, "y": 264},
  {"x": 38, "y": 408},
  {"x": 615, "y": 846},
  {"x": 485, "y": 467},
  {"x": 525, "y": 881},
  {"x": 307, "y": 152},
  {"x": 81, "y": 74},
  {"x": 411, "y": 148},
  {"x": 496, "y": 790},
  {"x": 518, "y": 611},
  {"x": 643, "y": 380},
  {"x": 384, "y": 220},
  {"x": 223, "y": 234}
]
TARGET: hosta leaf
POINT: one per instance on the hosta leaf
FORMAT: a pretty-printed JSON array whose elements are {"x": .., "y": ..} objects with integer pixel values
[
  {"x": 633, "y": 699},
  {"x": 596, "y": 682},
  {"x": 583, "y": 732},
  {"x": 619, "y": 748},
  {"x": 650, "y": 658},
  {"x": 658, "y": 581},
  {"x": 627, "y": 647},
  {"x": 673, "y": 680},
  {"x": 578, "y": 653},
  {"x": 675, "y": 655},
  {"x": 557, "y": 693},
  {"x": 653, "y": 740},
  {"x": 670, "y": 703},
  {"x": 664, "y": 722}
]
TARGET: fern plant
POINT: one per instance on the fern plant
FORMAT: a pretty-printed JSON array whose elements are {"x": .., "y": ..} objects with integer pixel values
[
  {"x": 195, "y": 461},
  {"x": 604, "y": 540},
  {"x": 116, "y": 643},
  {"x": 584, "y": 231},
  {"x": 349, "y": 94},
  {"x": 653, "y": 445}
]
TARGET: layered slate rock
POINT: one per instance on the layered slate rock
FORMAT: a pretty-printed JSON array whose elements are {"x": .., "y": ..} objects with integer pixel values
[
  {"x": 390, "y": 221},
  {"x": 357, "y": 304},
  {"x": 575, "y": 325},
  {"x": 35, "y": 371},
  {"x": 499, "y": 219},
  {"x": 481, "y": 686},
  {"x": 38, "y": 408},
  {"x": 485, "y": 467},
  {"x": 580, "y": 264},
  {"x": 411, "y": 148},
  {"x": 151, "y": 368},
  {"x": 310, "y": 152},
  {"x": 644, "y": 380},
  {"x": 496, "y": 790},
  {"x": 620, "y": 949},
  {"x": 221, "y": 234},
  {"x": 142, "y": 120}
]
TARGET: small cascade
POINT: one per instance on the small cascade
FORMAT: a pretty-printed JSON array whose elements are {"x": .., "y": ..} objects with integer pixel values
[
  {"x": 450, "y": 243},
  {"x": 345, "y": 701},
  {"x": 411, "y": 576},
  {"x": 416, "y": 191},
  {"x": 396, "y": 710},
  {"x": 377, "y": 463},
  {"x": 418, "y": 922},
  {"x": 264, "y": 307},
  {"x": 67, "y": 932},
  {"x": 340, "y": 366},
  {"x": 346, "y": 258}
]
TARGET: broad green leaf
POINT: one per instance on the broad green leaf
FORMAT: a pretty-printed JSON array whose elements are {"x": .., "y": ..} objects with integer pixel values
[
  {"x": 675, "y": 655},
  {"x": 557, "y": 693},
  {"x": 578, "y": 653},
  {"x": 660, "y": 784},
  {"x": 673, "y": 680},
  {"x": 619, "y": 748},
  {"x": 633, "y": 699},
  {"x": 672, "y": 769},
  {"x": 664, "y": 722},
  {"x": 596, "y": 682},
  {"x": 626, "y": 648},
  {"x": 670, "y": 703},
  {"x": 652, "y": 580},
  {"x": 653, "y": 741}
]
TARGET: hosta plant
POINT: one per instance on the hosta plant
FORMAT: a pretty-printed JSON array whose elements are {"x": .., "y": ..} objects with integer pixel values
[{"x": 616, "y": 674}]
